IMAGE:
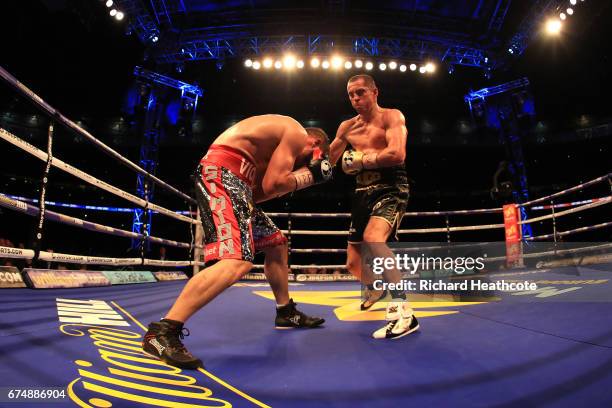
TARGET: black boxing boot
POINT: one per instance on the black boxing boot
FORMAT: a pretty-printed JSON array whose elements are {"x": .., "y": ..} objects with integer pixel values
[
  {"x": 288, "y": 317},
  {"x": 163, "y": 341}
]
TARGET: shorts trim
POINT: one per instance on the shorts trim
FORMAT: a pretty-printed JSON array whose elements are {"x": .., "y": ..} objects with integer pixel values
[{"x": 386, "y": 220}]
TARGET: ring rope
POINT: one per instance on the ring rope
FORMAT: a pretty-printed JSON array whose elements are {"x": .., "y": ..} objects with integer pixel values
[
  {"x": 408, "y": 214},
  {"x": 427, "y": 213},
  {"x": 565, "y": 205},
  {"x": 261, "y": 266},
  {"x": 567, "y": 191},
  {"x": 19, "y": 253},
  {"x": 555, "y": 252},
  {"x": 569, "y": 232},
  {"x": 318, "y": 251},
  {"x": 307, "y": 232},
  {"x": 314, "y": 215},
  {"x": 451, "y": 229},
  {"x": 486, "y": 260},
  {"x": 604, "y": 201},
  {"x": 403, "y": 231},
  {"x": 568, "y": 251},
  {"x": 341, "y": 251},
  {"x": 64, "y": 120},
  {"x": 28, "y": 209},
  {"x": 22, "y": 144}
]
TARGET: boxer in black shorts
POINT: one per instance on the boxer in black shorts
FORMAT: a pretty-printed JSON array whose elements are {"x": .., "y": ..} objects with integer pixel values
[
  {"x": 381, "y": 193},
  {"x": 377, "y": 137}
]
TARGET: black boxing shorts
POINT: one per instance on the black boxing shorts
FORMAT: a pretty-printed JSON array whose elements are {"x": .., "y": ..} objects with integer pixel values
[
  {"x": 233, "y": 227},
  {"x": 380, "y": 193}
]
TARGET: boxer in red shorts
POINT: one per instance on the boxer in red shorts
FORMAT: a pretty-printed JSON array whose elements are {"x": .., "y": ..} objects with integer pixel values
[{"x": 257, "y": 159}]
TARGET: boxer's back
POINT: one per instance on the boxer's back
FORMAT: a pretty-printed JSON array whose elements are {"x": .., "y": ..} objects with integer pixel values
[{"x": 257, "y": 137}]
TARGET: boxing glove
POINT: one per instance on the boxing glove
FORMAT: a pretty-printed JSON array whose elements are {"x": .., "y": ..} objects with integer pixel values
[
  {"x": 318, "y": 171},
  {"x": 353, "y": 161}
]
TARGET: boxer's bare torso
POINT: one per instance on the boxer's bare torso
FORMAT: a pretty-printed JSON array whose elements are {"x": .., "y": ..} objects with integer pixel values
[{"x": 258, "y": 137}]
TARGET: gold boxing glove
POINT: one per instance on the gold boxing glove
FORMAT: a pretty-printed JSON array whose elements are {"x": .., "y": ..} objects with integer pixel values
[{"x": 353, "y": 161}]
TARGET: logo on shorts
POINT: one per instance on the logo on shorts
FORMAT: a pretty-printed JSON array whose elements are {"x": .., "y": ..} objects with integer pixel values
[{"x": 247, "y": 170}]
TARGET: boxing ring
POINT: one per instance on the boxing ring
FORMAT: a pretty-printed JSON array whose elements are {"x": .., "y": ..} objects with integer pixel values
[{"x": 550, "y": 347}]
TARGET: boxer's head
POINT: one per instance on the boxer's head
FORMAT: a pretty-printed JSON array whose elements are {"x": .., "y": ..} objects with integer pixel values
[
  {"x": 317, "y": 146},
  {"x": 362, "y": 92}
]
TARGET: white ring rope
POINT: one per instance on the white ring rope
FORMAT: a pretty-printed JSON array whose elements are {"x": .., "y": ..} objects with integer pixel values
[
  {"x": 604, "y": 201},
  {"x": 408, "y": 214},
  {"x": 28, "y": 209},
  {"x": 402, "y": 231},
  {"x": 260, "y": 266},
  {"x": 450, "y": 229},
  {"x": 569, "y": 190},
  {"x": 18, "y": 253},
  {"x": 318, "y": 251},
  {"x": 308, "y": 232},
  {"x": 408, "y": 249},
  {"x": 67, "y": 122},
  {"x": 486, "y": 260},
  {"x": 565, "y": 205},
  {"x": 22, "y": 144},
  {"x": 430, "y": 213},
  {"x": 569, "y": 232}
]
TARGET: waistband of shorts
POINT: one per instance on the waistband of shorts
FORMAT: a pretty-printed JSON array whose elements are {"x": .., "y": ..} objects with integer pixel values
[
  {"x": 233, "y": 160},
  {"x": 389, "y": 176}
]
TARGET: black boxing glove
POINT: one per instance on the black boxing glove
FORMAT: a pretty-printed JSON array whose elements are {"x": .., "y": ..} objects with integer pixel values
[{"x": 317, "y": 172}]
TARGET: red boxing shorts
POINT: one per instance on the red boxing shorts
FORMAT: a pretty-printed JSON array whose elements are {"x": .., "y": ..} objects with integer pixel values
[{"x": 233, "y": 227}]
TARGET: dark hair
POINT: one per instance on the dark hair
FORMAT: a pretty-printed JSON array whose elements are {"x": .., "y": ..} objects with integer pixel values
[
  {"x": 368, "y": 80},
  {"x": 321, "y": 135}
]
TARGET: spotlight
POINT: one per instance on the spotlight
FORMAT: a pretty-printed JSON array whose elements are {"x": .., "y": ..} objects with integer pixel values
[
  {"x": 403, "y": 68},
  {"x": 113, "y": 12},
  {"x": 256, "y": 65},
  {"x": 154, "y": 38},
  {"x": 267, "y": 63},
  {"x": 278, "y": 64},
  {"x": 511, "y": 51},
  {"x": 358, "y": 63},
  {"x": 430, "y": 67},
  {"x": 109, "y": 3},
  {"x": 289, "y": 61},
  {"x": 248, "y": 63},
  {"x": 553, "y": 26},
  {"x": 119, "y": 16},
  {"x": 369, "y": 66},
  {"x": 573, "y": 2},
  {"x": 451, "y": 69},
  {"x": 422, "y": 70},
  {"x": 336, "y": 62},
  {"x": 348, "y": 65},
  {"x": 570, "y": 11},
  {"x": 325, "y": 64},
  {"x": 562, "y": 16},
  {"x": 299, "y": 64},
  {"x": 382, "y": 66},
  {"x": 315, "y": 62},
  {"x": 413, "y": 67},
  {"x": 392, "y": 65}
]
